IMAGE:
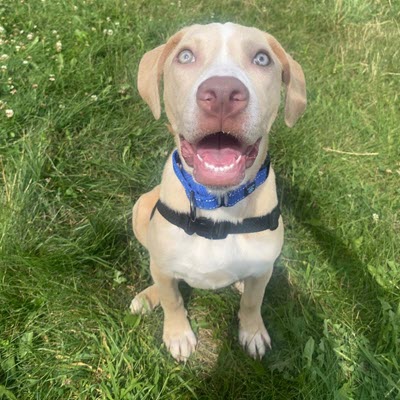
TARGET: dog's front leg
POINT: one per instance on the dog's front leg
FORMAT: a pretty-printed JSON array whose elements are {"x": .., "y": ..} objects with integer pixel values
[
  {"x": 178, "y": 335},
  {"x": 253, "y": 335}
]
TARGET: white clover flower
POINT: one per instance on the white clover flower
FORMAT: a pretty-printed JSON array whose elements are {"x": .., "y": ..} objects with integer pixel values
[
  {"x": 375, "y": 217},
  {"x": 29, "y": 36},
  {"x": 52, "y": 78},
  {"x": 2, "y": 30},
  {"x": 25, "y": 62},
  {"x": 94, "y": 97},
  {"x": 9, "y": 113},
  {"x": 54, "y": 32},
  {"x": 3, "y": 68},
  {"x": 4, "y": 57},
  {"x": 17, "y": 48},
  {"x": 108, "y": 32},
  {"x": 58, "y": 46}
]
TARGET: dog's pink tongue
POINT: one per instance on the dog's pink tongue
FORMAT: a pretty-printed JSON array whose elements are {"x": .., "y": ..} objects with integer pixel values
[
  {"x": 218, "y": 162},
  {"x": 219, "y": 158},
  {"x": 219, "y": 150}
]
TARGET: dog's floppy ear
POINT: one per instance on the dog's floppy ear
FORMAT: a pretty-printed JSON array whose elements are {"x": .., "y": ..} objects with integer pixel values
[
  {"x": 293, "y": 78},
  {"x": 150, "y": 71}
]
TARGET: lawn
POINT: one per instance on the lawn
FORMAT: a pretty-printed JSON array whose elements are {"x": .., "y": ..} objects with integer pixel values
[{"x": 77, "y": 148}]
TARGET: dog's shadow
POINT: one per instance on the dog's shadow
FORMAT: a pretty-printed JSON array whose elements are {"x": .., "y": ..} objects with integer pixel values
[{"x": 236, "y": 374}]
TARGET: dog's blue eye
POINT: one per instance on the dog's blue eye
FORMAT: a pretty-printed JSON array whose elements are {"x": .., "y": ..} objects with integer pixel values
[
  {"x": 262, "y": 59},
  {"x": 186, "y": 57}
]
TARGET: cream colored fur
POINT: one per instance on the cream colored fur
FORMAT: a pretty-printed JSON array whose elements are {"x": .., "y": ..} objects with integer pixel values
[{"x": 221, "y": 50}]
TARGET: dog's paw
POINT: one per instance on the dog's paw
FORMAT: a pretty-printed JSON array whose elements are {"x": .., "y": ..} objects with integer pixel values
[
  {"x": 180, "y": 343},
  {"x": 140, "y": 305},
  {"x": 239, "y": 286},
  {"x": 145, "y": 301},
  {"x": 255, "y": 341}
]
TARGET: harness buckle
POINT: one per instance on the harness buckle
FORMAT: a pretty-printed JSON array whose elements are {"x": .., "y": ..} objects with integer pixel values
[
  {"x": 219, "y": 230},
  {"x": 205, "y": 228}
]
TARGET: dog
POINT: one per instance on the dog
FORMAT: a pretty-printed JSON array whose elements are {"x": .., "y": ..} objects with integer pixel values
[{"x": 214, "y": 220}]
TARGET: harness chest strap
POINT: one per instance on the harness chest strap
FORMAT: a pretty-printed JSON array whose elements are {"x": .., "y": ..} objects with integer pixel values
[{"x": 210, "y": 229}]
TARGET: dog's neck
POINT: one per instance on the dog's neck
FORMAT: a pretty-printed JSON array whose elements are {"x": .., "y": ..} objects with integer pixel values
[{"x": 201, "y": 197}]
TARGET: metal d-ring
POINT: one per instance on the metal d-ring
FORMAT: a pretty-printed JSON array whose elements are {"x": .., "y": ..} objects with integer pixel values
[{"x": 192, "y": 201}]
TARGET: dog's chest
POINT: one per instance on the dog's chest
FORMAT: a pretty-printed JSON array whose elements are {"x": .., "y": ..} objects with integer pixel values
[{"x": 212, "y": 264}]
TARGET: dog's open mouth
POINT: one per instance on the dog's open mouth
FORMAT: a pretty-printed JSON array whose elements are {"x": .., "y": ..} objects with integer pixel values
[{"x": 219, "y": 159}]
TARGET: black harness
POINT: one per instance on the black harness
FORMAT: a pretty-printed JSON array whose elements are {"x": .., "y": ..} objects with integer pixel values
[{"x": 209, "y": 229}]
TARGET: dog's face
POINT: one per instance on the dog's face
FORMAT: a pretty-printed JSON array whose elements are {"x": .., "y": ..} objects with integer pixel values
[{"x": 222, "y": 87}]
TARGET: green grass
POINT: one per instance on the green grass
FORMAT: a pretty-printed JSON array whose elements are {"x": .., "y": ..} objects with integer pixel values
[{"x": 81, "y": 146}]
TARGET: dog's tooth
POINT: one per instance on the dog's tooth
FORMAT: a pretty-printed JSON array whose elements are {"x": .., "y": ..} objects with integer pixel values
[
  {"x": 210, "y": 166},
  {"x": 238, "y": 159},
  {"x": 199, "y": 157},
  {"x": 219, "y": 169}
]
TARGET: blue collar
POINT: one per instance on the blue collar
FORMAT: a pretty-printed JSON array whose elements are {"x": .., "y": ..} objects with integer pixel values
[{"x": 200, "y": 197}]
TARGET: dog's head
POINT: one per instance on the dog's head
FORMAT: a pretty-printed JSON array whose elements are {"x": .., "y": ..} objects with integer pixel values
[{"x": 222, "y": 87}]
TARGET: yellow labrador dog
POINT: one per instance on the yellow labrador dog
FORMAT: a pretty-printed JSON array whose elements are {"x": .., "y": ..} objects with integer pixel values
[{"x": 214, "y": 220}]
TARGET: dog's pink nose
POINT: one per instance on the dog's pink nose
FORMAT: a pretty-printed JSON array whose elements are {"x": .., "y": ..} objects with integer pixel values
[{"x": 222, "y": 96}]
